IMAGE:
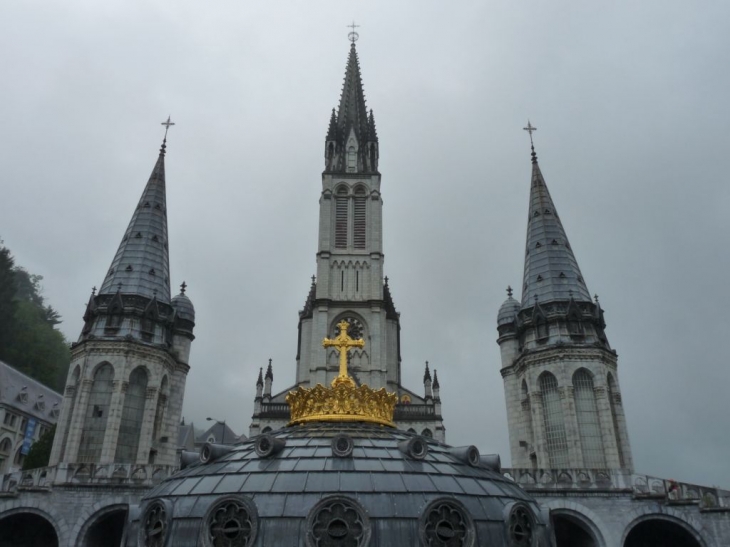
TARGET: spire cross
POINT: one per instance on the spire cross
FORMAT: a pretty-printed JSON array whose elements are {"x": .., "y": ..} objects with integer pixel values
[
  {"x": 342, "y": 343},
  {"x": 509, "y": 291},
  {"x": 353, "y": 36},
  {"x": 183, "y": 286},
  {"x": 167, "y": 125},
  {"x": 530, "y": 129}
]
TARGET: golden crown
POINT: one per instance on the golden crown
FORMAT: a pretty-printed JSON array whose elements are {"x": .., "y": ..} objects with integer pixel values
[{"x": 344, "y": 401}]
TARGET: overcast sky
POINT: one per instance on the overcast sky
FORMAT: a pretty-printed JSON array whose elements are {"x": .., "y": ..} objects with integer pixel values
[{"x": 631, "y": 104}]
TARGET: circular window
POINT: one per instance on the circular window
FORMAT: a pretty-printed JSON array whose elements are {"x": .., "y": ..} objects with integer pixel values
[
  {"x": 155, "y": 524},
  {"x": 338, "y": 521},
  {"x": 342, "y": 446},
  {"x": 232, "y": 522},
  {"x": 355, "y": 330},
  {"x": 520, "y": 527},
  {"x": 445, "y": 523}
]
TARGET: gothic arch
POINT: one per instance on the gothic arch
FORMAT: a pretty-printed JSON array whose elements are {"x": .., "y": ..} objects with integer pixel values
[
  {"x": 658, "y": 512},
  {"x": 161, "y": 407},
  {"x": 340, "y": 316},
  {"x": 91, "y": 372},
  {"x": 57, "y": 525},
  {"x": 583, "y": 517},
  {"x": 101, "y": 525}
]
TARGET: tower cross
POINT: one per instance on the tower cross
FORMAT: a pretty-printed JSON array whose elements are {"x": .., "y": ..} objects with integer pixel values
[
  {"x": 343, "y": 343},
  {"x": 167, "y": 125},
  {"x": 530, "y": 129},
  {"x": 353, "y": 36}
]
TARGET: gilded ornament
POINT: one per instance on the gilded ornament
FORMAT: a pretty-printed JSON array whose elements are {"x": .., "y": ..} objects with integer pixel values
[{"x": 344, "y": 401}]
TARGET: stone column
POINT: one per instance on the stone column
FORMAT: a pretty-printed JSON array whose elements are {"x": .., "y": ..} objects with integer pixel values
[
  {"x": 148, "y": 423},
  {"x": 572, "y": 432},
  {"x": 71, "y": 450},
  {"x": 608, "y": 434},
  {"x": 623, "y": 433},
  {"x": 64, "y": 418},
  {"x": 113, "y": 421}
]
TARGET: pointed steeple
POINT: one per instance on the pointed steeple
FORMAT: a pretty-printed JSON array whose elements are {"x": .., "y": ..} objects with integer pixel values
[
  {"x": 352, "y": 113},
  {"x": 551, "y": 270},
  {"x": 435, "y": 380},
  {"x": 260, "y": 381},
  {"x": 269, "y": 372},
  {"x": 352, "y": 143},
  {"x": 141, "y": 265},
  {"x": 427, "y": 374}
]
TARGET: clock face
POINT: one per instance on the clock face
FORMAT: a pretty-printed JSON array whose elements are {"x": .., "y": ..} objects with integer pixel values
[{"x": 355, "y": 330}]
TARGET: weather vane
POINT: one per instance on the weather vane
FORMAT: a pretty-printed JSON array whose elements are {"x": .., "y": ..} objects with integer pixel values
[
  {"x": 167, "y": 125},
  {"x": 353, "y": 36}
]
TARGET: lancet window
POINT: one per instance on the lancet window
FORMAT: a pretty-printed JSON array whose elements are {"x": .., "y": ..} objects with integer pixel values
[
  {"x": 341, "y": 218},
  {"x": 132, "y": 415},
  {"x": 97, "y": 412},
  {"x": 589, "y": 425},
  {"x": 556, "y": 439},
  {"x": 359, "y": 224}
]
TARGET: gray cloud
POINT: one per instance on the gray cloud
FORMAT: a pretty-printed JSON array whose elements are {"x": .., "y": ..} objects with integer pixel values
[{"x": 630, "y": 102}]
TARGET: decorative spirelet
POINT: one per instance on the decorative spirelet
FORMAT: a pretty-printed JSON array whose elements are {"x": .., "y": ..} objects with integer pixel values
[{"x": 344, "y": 401}]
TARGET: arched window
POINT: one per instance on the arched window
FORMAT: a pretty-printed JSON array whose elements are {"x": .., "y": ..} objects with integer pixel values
[
  {"x": 97, "y": 412},
  {"x": 427, "y": 433},
  {"x": 351, "y": 159},
  {"x": 589, "y": 426},
  {"x": 160, "y": 410},
  {"x": 267, "y": 429},
  {"x": 132, "y": 415},
  {"x": 341, "y": 218},
  {"x": 555, "y": 437},
  {"x": 6, "y": 445},
  {"x": 359, "y": 217},
  {"x": 612, "y": 394},
  {"x": 543, "y": 330},
  {"x": 526, "y": 418}
]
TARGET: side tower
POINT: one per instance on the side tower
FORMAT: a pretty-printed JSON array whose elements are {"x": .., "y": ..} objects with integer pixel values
[
  {"x": 560, "y": 374},
  {"x": 124, "y": 392},
  {"x": 349, "y": 283}
]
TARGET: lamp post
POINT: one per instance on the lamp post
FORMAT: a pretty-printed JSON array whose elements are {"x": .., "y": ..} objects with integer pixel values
[{"x": 223, "y": 440}]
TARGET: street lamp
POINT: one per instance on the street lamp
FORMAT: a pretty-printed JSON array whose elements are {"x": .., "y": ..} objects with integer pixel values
[{"x": 223, "y": 440}]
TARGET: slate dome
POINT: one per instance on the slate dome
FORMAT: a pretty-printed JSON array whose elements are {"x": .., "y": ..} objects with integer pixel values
[
  {"x": 329, "y": 484},
  {"x": 184, "y": 307},
  {"x": 508, "y": 311}
]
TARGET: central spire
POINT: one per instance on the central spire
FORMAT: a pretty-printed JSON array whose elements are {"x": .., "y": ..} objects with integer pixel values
[{"x": 352, "y": 142}]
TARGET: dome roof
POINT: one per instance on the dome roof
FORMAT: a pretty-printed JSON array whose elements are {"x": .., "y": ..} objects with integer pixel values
[
  {"x": 508, "y": 311},
  {"x": 184, "y": 307},
  {"x": 328, "y": 483}
]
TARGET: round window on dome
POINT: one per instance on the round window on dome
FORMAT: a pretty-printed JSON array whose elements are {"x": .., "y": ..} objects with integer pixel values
[
  {"x": 520, "y": 527},
  {"x": 231, "y": 522},
  {"x": 446, "y": 523},
  {"x": 155, "y": 525},
  {"x": 337, "y": 520}
]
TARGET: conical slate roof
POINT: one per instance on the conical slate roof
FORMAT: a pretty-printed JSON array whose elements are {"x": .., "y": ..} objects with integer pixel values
[
  {"x": 551, "y": 270},
  {"x": 141, "y": 265}
]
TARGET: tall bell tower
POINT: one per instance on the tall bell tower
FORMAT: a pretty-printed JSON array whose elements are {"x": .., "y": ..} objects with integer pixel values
[
  {"x": 560, "y": 374},
  {"x": 350, "y": 284}
]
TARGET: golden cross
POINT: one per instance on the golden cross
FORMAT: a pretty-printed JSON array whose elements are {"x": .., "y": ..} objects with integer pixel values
[{"x": 342, "y": 343}]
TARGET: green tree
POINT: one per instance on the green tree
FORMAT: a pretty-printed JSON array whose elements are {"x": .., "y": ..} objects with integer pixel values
[
  {"x": 7, "y": 300},
  {"x": 40, "y": 451},
  {"x": 28, "y": 339}
]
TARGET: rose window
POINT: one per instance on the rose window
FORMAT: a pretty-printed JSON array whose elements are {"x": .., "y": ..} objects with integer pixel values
[
  {"x": 155, "y": 525},
  {"x": 231, "y": 523},
  {"x": 338, "y": 522},
  {"x": 446, "y": 524}
]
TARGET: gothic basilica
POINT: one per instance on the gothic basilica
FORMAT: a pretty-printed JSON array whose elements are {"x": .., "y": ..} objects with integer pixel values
[{"x": 348, "y": 455}]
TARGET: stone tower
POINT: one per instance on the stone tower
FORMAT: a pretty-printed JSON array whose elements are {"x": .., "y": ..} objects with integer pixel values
[
  {"x": 349, "y": 283},
  {"x": 560, "y": 374},
  {"x": 124, "y": 391}
]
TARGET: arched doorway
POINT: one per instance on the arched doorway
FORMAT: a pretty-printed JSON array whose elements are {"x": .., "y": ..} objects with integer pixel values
[
  {"x": 27, "y": 530},
  {"x": 105, "y": 529},
  {"x": 571, "y": 532},
  {"x": 657, "y": 532}
]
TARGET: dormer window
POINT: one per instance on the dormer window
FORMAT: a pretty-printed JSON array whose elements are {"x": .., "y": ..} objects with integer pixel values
[{"x": 23, "y": 395}]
